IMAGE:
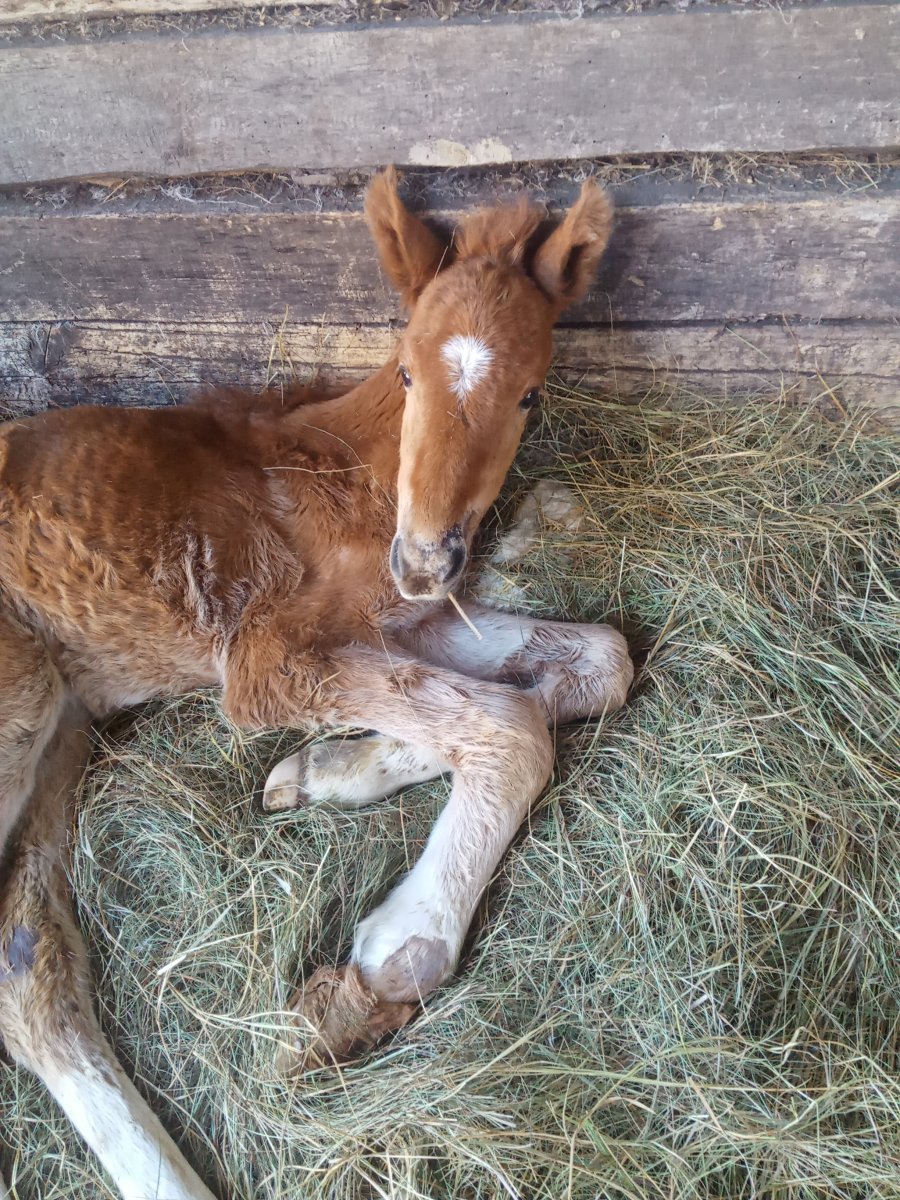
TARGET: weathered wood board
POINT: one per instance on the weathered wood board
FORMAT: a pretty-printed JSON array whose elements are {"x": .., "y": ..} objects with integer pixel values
[
  {"x": 142, "y": 295},
  {"x": 74, "y": 10},
  {"x": 450, "y": 93},
  {"x": 812, "y": 256},
  {"x": 114, "y": 362}
]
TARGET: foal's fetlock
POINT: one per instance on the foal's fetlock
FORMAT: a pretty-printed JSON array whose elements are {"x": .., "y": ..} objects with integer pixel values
[
  {"x": 585, "y": 671},
  {"x": 412, "y": 972}
]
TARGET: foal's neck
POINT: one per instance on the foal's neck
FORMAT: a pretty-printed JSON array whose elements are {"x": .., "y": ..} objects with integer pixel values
[{"x": 365, "y": 422}]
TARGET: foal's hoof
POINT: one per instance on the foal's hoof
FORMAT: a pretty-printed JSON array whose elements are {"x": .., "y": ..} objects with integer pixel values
[
  {"x": 284, "y": 789},
  {"x": 336, "y": 773},
  {"x": 337, "y": 1018}
]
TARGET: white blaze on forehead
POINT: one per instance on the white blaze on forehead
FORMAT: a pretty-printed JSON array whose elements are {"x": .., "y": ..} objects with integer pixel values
[{"x": 468, "y": 360}]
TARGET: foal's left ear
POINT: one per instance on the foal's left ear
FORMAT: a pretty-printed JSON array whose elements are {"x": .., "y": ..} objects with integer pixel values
[
  {"x": 410, "y": 252},
  {"x": 566, "y": 262}
]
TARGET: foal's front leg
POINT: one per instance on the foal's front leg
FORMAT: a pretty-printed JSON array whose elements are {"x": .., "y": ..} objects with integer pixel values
[
  {"x": 574, "y": 671},
  {"x": 495, "y": 741}
]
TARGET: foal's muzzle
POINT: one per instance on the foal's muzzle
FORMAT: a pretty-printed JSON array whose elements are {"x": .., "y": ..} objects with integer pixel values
[{"x": 428, "y": 570}]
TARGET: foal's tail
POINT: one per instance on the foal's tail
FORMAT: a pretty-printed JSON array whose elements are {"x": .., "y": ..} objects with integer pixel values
[{"x": 46, "y": 1016}]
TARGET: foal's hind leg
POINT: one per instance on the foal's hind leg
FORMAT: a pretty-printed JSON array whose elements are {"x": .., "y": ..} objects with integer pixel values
[
  {"x": 46, "y": 1018},
  {"x": 31, "y": 694},
  {"x": 575, "y": 671}
]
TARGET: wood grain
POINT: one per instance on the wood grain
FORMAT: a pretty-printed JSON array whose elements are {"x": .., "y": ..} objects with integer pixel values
[
  {"x": 450, "y": 93},
  {"x": 12, "y": 11},
  {"x": 160, "y": 362},
  {"x": 815, "y": 256}
]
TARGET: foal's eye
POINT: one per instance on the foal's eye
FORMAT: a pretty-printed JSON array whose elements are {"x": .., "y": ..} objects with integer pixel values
[
  {"x": 405, "y": 376},
  {"x": 530, "y": 399}
]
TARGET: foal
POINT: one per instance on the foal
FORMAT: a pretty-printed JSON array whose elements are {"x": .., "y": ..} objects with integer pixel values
[{"x": 299, "y": 556}]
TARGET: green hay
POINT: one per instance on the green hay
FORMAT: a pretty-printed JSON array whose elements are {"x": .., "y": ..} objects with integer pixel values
[{"x": 684, "y": 980}]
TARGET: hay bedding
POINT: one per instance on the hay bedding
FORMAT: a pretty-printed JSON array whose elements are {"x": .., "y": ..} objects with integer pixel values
[{"x": 685, "y": 978}]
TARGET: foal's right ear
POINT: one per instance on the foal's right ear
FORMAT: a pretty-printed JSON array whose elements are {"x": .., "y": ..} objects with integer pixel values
[{"x": 410, "y": 252}]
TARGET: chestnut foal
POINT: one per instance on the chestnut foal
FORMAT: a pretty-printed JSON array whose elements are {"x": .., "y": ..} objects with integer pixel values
[{"x": 299, "y": 555}]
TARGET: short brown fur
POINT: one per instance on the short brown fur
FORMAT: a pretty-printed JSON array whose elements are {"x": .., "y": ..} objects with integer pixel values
[{"x": 246, "y": 543}]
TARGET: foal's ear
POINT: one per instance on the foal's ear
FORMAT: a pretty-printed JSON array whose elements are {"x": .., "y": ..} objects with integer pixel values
[
  {"x": 410, "y": 252},
  {"x": 566, "y": 262}
]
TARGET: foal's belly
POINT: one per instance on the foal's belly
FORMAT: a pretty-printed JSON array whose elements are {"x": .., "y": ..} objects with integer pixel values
[
  {"x": 124, "y": 661},
  {"x": 108, "y": 677}
]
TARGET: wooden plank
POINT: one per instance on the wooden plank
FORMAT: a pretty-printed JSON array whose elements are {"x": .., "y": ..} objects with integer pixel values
[
  {"x": 816, "y": 258},
  {"x": 12, "y": 11},
  {"x": 451, "y": 93},
  {"x": 856, "y": 364},
  {"x": 161, "y": 362}
]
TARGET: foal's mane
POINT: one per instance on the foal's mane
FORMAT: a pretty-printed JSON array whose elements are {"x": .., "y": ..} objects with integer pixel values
[{"x": 502, "y": 233}]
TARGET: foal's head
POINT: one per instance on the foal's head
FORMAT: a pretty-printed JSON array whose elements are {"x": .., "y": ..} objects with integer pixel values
[{"x": 472, "y": 359}]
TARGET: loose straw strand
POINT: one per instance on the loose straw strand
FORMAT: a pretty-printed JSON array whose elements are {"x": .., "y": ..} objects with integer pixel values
[{"x": 459, "y": 608}]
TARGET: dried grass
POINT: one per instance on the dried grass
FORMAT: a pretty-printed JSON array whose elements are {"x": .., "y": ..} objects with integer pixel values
[{"x": 684, "y": 980}]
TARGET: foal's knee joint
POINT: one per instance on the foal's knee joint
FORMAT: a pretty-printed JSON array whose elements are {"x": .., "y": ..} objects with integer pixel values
[{"x": 520, "y": 746}]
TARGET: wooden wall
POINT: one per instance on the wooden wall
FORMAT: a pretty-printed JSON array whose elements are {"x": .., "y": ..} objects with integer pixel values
[{"x": 180, "y": 190}]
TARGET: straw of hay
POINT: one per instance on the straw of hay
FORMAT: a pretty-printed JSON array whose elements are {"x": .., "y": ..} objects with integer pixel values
[{"x": 684, "y": 979}]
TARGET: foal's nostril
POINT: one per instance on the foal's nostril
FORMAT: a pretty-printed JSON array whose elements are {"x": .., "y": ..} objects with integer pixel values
[
  {"x": 456, "y": 563},
  {"x": 395, "y": 561},
  {"x": 427, "y": 569}
]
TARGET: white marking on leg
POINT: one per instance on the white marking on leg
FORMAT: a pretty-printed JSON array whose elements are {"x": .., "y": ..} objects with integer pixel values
[
  {"x": 449, "y": 644},
  {"x": 412, "y": 941},
  {"x": 422, "y": 906},
  {"x": 349, "y": 774},
  {"x": 117, "y": 1124},
  {"x": 575, "y": 671},
  {"x": 468, "y": 360},
  {"x": 373, "y": 768}
]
